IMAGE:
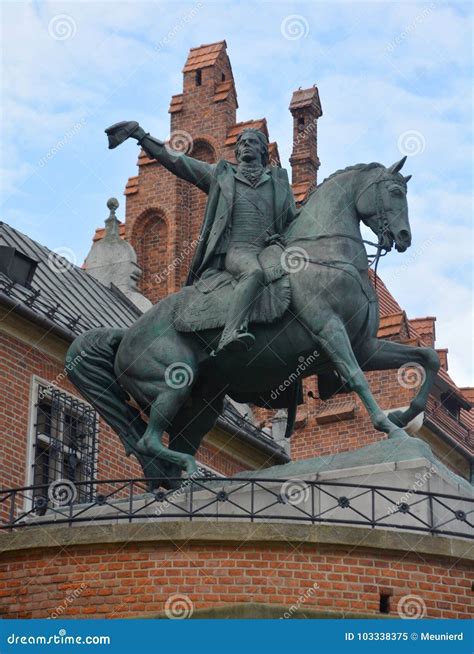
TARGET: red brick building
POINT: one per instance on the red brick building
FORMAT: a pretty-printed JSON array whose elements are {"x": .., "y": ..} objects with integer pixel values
[{"x": 48, "y": 433}]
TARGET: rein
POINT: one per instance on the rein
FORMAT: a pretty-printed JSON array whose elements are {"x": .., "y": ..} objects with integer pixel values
[{"x": 382, "y": 225}]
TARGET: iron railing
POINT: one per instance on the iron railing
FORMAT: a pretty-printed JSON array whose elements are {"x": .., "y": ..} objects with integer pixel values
[{"x": 244, "y": 499}]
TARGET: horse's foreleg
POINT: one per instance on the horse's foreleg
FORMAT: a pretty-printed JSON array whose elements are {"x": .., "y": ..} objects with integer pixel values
[
  {"x": 377, "y": 354},
  {"x": 334, "y": 340}
]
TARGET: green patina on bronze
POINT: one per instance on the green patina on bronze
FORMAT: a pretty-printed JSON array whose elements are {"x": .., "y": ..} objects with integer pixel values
[{"x": 179, "y": 377}]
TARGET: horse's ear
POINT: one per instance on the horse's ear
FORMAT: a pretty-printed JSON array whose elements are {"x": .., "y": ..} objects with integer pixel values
[
  {"x": 396, "y": 167},
  {"x": 407, "y": 178}
]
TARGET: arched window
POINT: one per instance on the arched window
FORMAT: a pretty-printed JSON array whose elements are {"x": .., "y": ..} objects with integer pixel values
[{"x": 151, "y": 245}]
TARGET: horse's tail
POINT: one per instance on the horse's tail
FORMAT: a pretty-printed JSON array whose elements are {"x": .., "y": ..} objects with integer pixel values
[{"x": 90, "y": 366}]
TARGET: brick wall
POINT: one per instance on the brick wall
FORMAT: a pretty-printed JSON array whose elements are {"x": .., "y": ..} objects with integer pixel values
[
  {"x": 344, "y": 428},
  {"x": 18, "y": 363},
  {"x": 136, "y": 579}
]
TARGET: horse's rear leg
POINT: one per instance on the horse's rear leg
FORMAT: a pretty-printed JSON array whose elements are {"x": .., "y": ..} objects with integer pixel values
[
  {"x": 335, "y": 342},
  {"x": 377, "y": 354},
  {"x": 163, "y": 410}
]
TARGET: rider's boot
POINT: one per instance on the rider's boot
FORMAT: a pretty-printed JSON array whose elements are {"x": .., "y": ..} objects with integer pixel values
[{"x": 236, "y": 337}]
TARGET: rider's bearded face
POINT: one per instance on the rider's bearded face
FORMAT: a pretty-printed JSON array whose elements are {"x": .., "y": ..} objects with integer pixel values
[{"x": 249, "y": 149}]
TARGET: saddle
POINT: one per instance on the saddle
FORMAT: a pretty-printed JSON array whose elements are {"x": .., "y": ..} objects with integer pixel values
[{"x": 205, "y": 304}]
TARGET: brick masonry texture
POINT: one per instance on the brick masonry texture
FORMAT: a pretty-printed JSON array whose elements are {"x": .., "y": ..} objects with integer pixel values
[{"x": 117, "y": 581}]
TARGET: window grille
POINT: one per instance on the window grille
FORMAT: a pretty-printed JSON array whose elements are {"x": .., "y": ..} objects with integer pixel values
[{"x": 65, "y": 443}]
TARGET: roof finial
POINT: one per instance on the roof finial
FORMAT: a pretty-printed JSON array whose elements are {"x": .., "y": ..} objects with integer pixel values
[{"x": 112, "y": 223}]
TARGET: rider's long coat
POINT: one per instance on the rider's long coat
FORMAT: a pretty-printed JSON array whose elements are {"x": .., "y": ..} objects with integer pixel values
[{"x": 218, "y": 181}]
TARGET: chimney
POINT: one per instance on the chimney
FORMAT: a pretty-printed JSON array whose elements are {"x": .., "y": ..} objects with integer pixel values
[{"x": 305, "y": 108}]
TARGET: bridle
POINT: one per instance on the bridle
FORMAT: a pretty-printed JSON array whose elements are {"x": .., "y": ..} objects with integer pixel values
[
  {"x": 382, "y": 226},
  {"x": 382, "y": 222}
]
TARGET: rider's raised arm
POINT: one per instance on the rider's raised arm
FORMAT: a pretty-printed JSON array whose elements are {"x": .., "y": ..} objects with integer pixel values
[{"x": 192, "y": 170}]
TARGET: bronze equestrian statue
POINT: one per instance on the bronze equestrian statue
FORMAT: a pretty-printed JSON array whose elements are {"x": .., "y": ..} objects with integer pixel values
[{"x": 299, "y": 278}]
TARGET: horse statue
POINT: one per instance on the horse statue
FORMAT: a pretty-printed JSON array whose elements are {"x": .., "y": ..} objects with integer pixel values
[{"x": 154, "y": 378}]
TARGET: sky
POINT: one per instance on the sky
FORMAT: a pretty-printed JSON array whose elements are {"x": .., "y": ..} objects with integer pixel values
[{"x": 394, "y": 79}]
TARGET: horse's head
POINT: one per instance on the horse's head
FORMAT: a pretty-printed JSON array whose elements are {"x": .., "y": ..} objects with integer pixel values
[{"x": 381, "y": 202}]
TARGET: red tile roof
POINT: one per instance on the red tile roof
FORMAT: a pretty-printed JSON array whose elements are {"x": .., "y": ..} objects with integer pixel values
[
  {"x": 388, "y": 304},
  {"x": 100, "y": 232},
  {"x": 300, "y": 191},
  {"x": 222, "y": 90},
  {"x": 176, "y": 103},
  {"x": 131, "y": 186},
  {"x": 443, "y": 357},
  {"x": 468, "y": 393},
  {"x": 235, "y": 130},
  {"x": 305, "y": 98},
  {"x": 425, "y": 327},
  {"x": 273, "y": 154},
  {"x": 393, "y": 324},
  {"x": 203, "y": 56}
]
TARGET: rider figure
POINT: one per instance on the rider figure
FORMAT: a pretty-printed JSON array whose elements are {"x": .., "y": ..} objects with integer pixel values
[{"x": 249, "y": 206}]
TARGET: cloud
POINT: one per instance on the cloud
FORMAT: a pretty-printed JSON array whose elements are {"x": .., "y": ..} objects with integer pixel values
[{"x": 382, "y": 69}]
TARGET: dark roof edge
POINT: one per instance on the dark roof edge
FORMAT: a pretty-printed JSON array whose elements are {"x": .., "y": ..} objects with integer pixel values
[
  {"x": 443, "y": 385},
  {"x": 41, "y": 321},
  {"x": 125, "y": 299},
  {"x": 447, "y": 438},
  {"x": 278, "y": 454}
]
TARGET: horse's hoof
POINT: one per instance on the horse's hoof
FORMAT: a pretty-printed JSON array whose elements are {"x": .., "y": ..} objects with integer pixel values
[
  {"x": 399, "y": 434},
  {"x": 397, "y": 418}
]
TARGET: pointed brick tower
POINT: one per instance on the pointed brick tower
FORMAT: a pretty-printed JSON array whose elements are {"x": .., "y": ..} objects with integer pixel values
[
  {"x": 305, "y": 108},
  {"x": 164, "y": 214}
]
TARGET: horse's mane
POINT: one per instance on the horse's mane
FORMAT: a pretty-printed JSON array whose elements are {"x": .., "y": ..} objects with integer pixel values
[{"x": 359, "y": 166}]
